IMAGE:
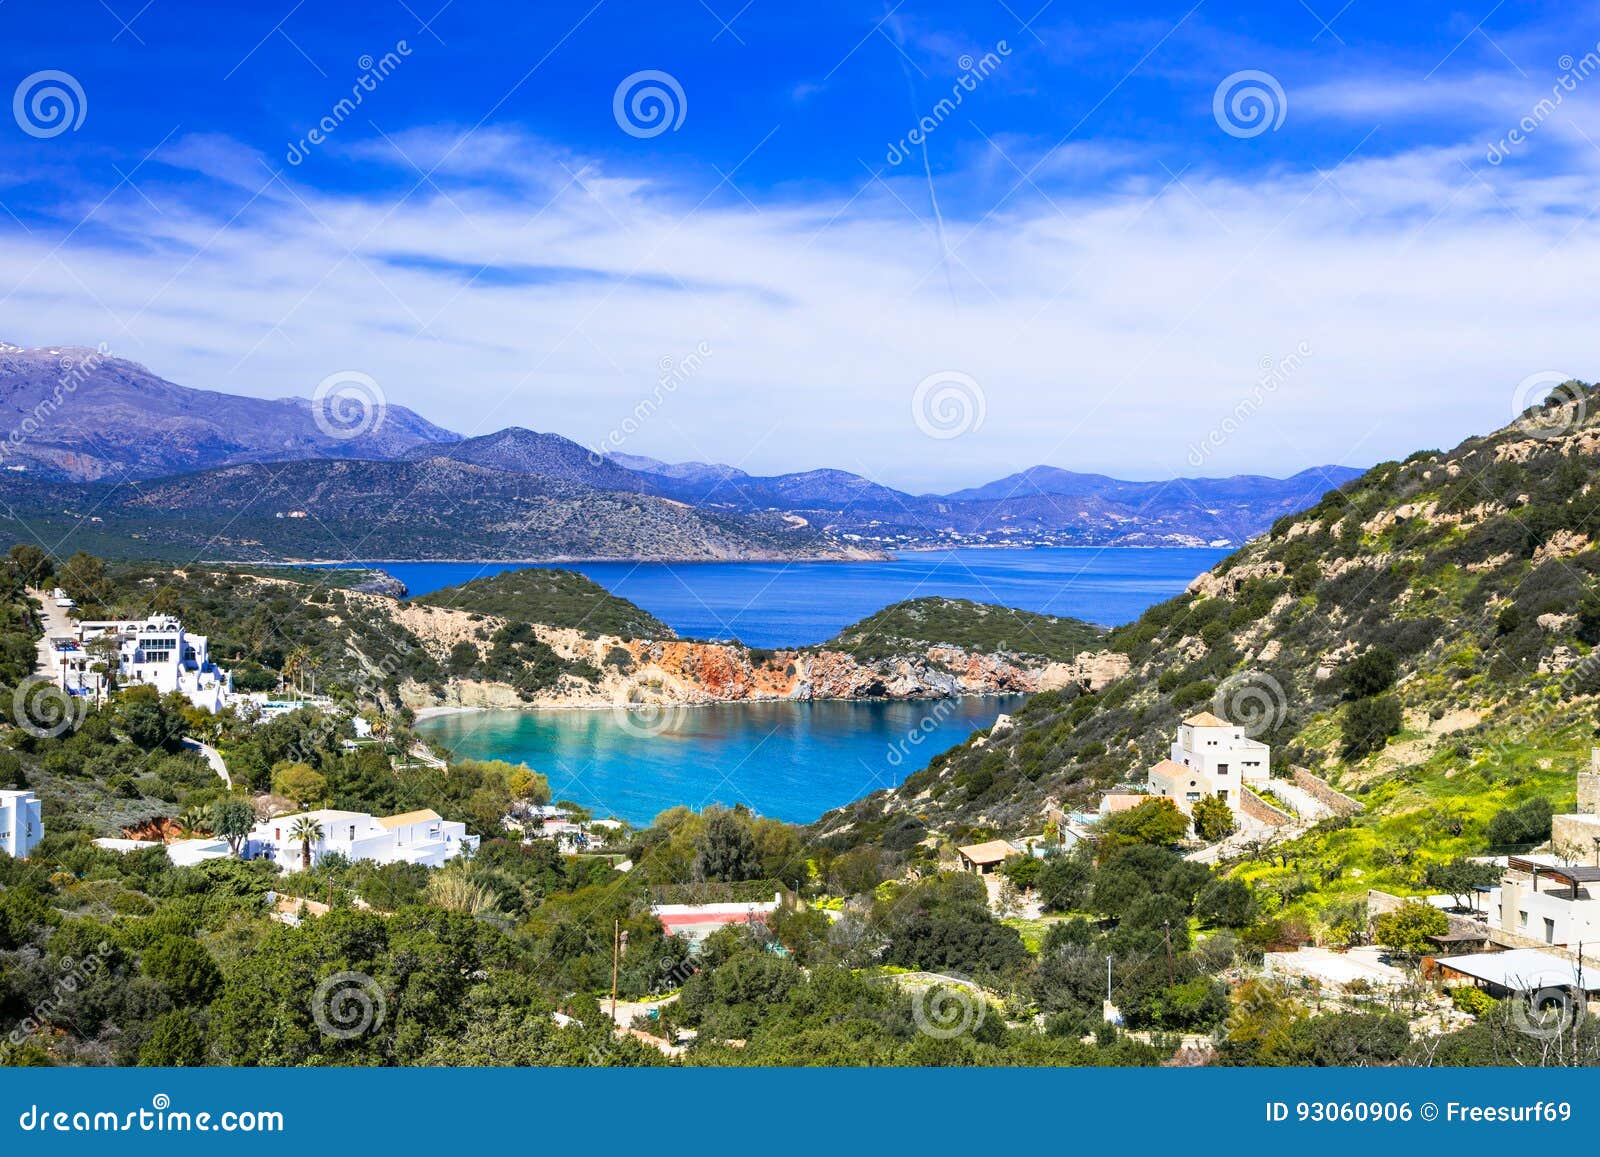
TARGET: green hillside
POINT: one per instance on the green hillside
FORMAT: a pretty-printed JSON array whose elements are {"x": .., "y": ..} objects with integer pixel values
[
  {"x": 979, "y": 627},
  {"x": 557, "y": 598},
  {"x": 1423, "y": 637}
]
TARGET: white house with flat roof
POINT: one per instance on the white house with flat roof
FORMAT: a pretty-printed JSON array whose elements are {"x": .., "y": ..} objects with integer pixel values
[
  {"x": 1210, "y": 757},
  {"x": 1555, "y": 903},
  {"x": 21, "y": 823},
  {"x": 183, "y": 853},
  {"x": 155, "y": 652},
  {"x": 1554, "y": 897},
  {"x": 417, "y": 837}
]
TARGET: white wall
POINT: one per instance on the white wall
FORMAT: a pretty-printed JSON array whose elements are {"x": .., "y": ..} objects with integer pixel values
[{"x": 21, "y": 823}]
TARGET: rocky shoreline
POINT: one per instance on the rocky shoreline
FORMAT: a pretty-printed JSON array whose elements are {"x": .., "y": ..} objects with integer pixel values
[{"x": 646, "y": 672}]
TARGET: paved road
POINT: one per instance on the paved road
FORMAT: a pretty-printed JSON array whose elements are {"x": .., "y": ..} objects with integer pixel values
[
  {"x": 213, "y": 757},
  {"x": 56, "y": 623}
]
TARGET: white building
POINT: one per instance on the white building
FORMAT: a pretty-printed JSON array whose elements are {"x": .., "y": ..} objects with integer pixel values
[
  {"x": 1210, "y": 757},
  {"x": 418, "y": 837},
  {"x": 1554, "y": 897},
  {"x": 1546, "y": 900},
  {"x": 156, "y": 652},
  {"x": 183, "y": 853},
  {"x": 21, "y": 823}
]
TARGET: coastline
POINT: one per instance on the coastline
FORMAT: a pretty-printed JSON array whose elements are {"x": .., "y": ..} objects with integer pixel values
[
  {"x": 557, "y": 560},
  {"x": 423, "y": 714},
  {"x": 427, "y": 714},
  {"x": 886, "y": 554}
]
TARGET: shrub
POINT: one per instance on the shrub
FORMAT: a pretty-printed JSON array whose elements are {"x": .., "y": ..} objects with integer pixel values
[
  {"x": 1472, "y": 1001},
  {"x": 1371, "y": 673},
  {"x": 1367, "y": 725},
  {"x": 1527, "y": 823}
]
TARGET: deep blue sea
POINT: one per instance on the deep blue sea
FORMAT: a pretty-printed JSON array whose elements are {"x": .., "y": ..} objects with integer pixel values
[
  {"x": 789, "y": 760},
  {"x": 801, "y": 603}
]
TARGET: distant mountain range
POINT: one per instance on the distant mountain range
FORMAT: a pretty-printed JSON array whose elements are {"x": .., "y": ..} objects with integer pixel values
[
  {"x": 74, "y": 413},
  {"x": 126, "y": 463}
]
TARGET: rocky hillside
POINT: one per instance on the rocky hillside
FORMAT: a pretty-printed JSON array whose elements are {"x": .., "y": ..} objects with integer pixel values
[
  {"x": 1422, "y": 637},
  {"x": 432, "y": 509},
  {"x": 557, "y": 598},
  {"x": 79, "y": 415},
  {"x": 523, "y": 451},
  {"x": 83, "y": 414},
  {"x": 264, "y": 623},
  {"x": 981, "y": 627},
  {"x": 602, "y": 670}
]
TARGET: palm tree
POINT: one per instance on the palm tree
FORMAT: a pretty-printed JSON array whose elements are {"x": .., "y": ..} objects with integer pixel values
[
  {"x": 295, "y": 664},
  {"x": 308, "y": 831}
]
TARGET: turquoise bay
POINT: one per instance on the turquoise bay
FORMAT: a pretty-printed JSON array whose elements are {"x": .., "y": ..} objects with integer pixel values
[
  {"x": 792, "y": 761},
  {"x": 789, "y": 760}
]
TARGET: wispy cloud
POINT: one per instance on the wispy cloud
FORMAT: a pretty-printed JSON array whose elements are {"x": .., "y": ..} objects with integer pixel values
[{"x": 1109, "y": 321}]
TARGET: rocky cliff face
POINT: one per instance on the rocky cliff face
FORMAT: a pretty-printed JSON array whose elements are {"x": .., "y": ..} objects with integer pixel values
[{"x": 642, "y": 672}]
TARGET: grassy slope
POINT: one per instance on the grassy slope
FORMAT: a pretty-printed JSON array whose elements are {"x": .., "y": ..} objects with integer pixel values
[
  {"x": 559, "y": 598},
  {"x": 1469, "y": 565},
  {"x": 979, "y": 627}
]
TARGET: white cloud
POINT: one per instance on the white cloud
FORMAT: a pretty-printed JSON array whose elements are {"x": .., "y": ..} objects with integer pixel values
[{"x": 1109, "y": 329}]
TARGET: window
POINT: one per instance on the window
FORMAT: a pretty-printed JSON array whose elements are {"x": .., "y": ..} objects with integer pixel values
[
  {"x": 1549, "y": 930},
  {"x": 1522, "y": 919},
  {"x": 1192, "y": 796},
  {"x": 1223, "y": 795},
  {"x": 1222, "y": 769}
]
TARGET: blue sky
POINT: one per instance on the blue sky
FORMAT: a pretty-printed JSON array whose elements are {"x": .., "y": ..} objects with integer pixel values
[{"x": 1086, "y": 261}]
